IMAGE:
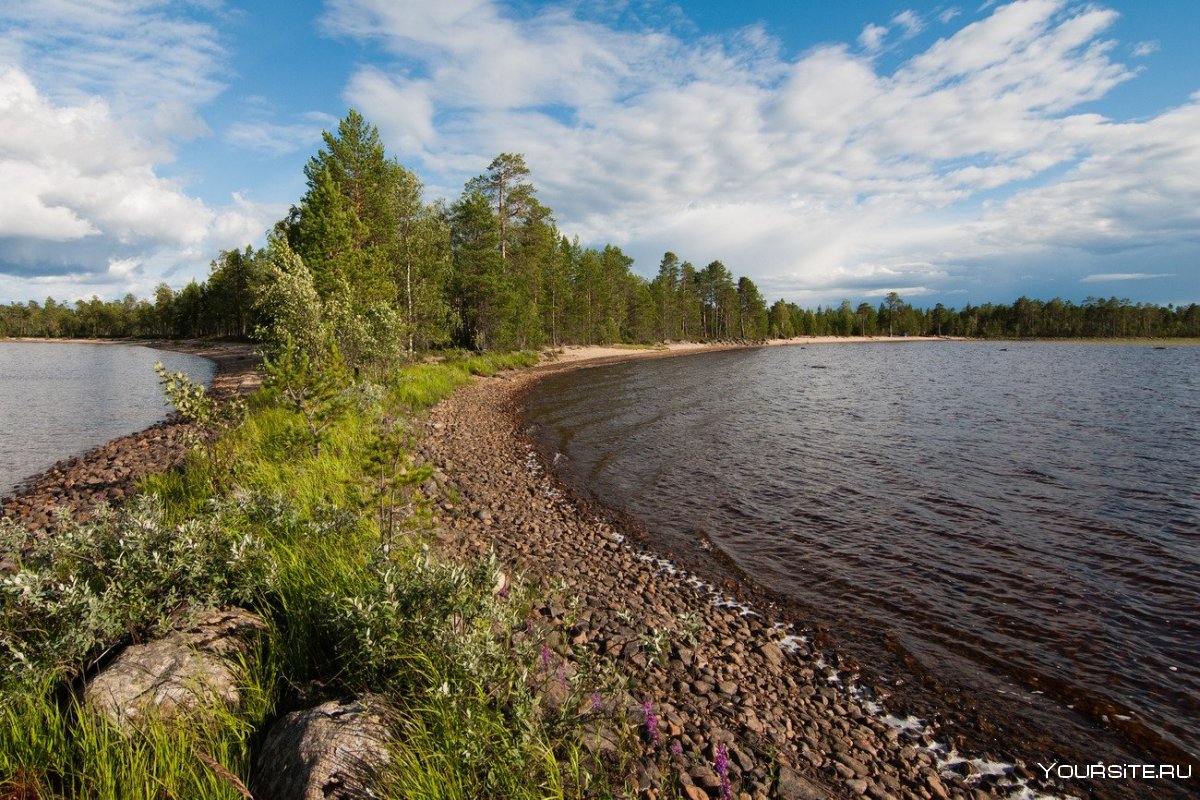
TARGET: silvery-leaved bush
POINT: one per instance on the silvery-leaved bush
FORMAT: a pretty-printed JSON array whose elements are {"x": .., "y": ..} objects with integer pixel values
[{"x": 127, "y": 574}]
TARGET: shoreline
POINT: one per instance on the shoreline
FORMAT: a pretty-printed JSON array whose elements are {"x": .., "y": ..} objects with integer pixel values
[
  {"x": 107, "y": 473},
  {"x": 810, "y": 716},
  {"x": 477, "y": 441}
]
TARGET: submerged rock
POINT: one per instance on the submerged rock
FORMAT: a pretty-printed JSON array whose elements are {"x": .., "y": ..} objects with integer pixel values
[
  {"x": 335, "y": 750},
  {"x": 198, "y": 667}
]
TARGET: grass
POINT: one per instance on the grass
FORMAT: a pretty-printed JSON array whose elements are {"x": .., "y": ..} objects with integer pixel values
[
  {"x": 331, "y": 550},
  {"x": 55, "y": 746}
]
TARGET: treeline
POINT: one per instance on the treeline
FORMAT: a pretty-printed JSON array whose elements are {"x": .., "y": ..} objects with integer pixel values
[
  {"x": 366, "y": 266},
  {"x": 1025, "y": 318},
  {"x": 681, "y": 303},
  {"x": 221, "y": 306}
]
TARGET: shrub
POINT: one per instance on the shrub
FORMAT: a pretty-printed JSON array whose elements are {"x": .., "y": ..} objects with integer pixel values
[{"x": 125, "y": 575}]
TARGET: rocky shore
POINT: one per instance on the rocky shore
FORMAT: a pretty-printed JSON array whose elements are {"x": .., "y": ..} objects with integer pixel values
[
  {"x": 711, "y": 670},
  {"x": 107, "y": 474},
  {"x": 727, "y": 700}
]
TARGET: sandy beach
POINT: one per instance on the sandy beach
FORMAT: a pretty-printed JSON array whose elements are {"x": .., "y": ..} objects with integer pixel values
[{"x": 599, "y": 354}]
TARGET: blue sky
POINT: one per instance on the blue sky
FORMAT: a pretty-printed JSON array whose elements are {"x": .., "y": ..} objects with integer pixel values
[{"x": 954, "y": 152}]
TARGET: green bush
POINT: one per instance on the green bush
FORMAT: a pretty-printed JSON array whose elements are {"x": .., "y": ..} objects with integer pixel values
[
  {"x": 125, "y": 575},
  {"x": 324, "y": 535}
]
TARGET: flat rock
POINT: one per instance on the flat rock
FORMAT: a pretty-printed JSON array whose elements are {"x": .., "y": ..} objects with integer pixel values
[
  {"x": 794, "y": 786},
  {"x": 334, "y": 751},
  {"x": 186, "y": 670}
]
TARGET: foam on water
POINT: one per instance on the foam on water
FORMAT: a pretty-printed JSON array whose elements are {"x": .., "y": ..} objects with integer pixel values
[{"x": 997, "y": 514}]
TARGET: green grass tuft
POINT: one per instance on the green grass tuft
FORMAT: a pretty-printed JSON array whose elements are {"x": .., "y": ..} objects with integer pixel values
[{"x": 330, "y": 549}]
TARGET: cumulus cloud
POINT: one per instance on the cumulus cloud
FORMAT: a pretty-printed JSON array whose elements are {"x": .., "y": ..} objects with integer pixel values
[
  {"x": 815, "y": 173},
  {"x": 153, "y": 66},
  {"x": 73, "y": 172},
  {"x": 832, "y": 172},
  {"x": 81, "y": 196}
]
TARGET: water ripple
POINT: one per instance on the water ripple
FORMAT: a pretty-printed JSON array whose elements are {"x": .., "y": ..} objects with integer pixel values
[{"x": 1029, "y": 517}]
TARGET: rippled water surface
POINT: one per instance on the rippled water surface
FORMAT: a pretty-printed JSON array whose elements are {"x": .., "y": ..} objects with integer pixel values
[
  {"x": 62, "y": 399},
  {"x": 1023, "y": 517}
]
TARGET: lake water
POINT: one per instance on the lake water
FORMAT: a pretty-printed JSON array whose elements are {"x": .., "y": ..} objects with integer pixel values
[
  {"x": 60, "y": 399},
  {"x": 1019, "y": 519}
]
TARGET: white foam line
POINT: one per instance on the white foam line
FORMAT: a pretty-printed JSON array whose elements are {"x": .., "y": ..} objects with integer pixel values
[
  {"x": 793, "y": 644},
  {"x": 910, "y": 725}
]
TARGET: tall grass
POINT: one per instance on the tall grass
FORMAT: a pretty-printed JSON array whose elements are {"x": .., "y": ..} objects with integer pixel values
[
  {"x": 354, "y": 601},
  {"x": 53, "y": 745},
  {"x": 422, "y": 386}
]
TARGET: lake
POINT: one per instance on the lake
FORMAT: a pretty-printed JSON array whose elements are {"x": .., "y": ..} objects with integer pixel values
[
  {"x": 59, "y": 399},
  {"x": 1020, "y": 519}
]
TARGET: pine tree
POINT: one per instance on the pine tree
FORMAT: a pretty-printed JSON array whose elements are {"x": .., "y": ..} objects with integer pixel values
[
  {"x": 665, "y": 289},
  {"x": 478, "y": 284},
  {"x": 752, "y": 311}
]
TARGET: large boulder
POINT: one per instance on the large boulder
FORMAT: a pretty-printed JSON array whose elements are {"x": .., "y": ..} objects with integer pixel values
[
  {"x": 187, "y": 670},
  {"x": 334, "y": 751}
]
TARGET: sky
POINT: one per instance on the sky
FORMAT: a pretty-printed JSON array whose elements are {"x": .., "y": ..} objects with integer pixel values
[{"x": 952, "y": 152}]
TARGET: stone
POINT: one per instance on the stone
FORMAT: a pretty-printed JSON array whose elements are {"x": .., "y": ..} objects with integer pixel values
[
  {"x": 794, "y": 786},
  {"x": 185, "y": 671},
  {"x": 936, "y": 787},
  {"x": 333, "y": 751},
  {"x": 600, "y": 740},
  {"x": 857, "y": 785},
  {"x": 771, "y": 652}
]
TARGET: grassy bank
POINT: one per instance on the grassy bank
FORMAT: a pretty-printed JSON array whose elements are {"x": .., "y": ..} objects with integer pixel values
[{"x": 314, "y": 514}]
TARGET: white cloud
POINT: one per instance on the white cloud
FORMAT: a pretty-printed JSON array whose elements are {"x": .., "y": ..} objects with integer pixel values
[
  {"x": 409, "y": 129},
  {"x": 910, "y": 22},
  {"x": 95, "y": 98},
  {"x": 74, "y": 164},
  {"x": 277, "y": 139},
  {"x": 1105, "y": 277},
  {"x": 871, "y": 38},
  {"x": 1147, "y": 48},
  {"x": 79, "y": 194},
  {"x": 153, "y": 65},
  {"x": 949, "y": 14},
  {"x": 122, "y": 267},
  {"x": 818, "y": 171}
]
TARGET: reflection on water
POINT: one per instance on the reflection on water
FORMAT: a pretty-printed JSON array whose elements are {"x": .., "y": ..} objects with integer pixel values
[
  {"x": 1023, "y": 519},
  {"x": 62, "y": 399}
]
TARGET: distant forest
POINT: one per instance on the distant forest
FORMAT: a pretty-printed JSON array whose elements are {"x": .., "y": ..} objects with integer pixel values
[{"x": 365, "y": 264}]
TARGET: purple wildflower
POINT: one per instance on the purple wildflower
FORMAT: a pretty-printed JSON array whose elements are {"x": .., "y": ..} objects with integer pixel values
[
  {"x": 547, "y": 656},
  {"x": 676, "y": 748},
  {"x": 651, "y": 721},
  {"x": 597, "y": 703},
  {"x": 722, "y": 765}
]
